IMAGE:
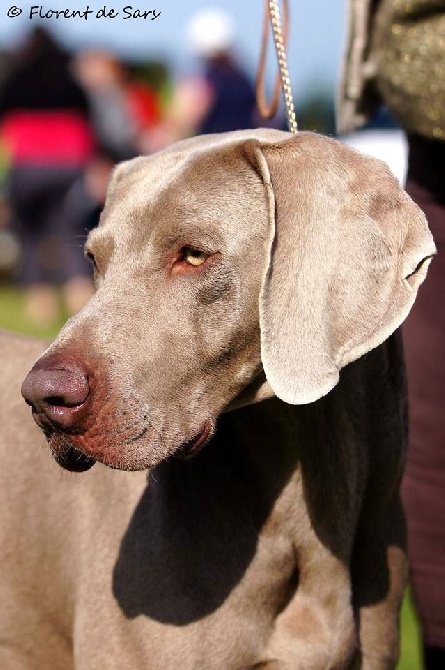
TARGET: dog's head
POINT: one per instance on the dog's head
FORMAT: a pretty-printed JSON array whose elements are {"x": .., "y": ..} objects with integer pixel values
[{"x": 228, "y": 268}]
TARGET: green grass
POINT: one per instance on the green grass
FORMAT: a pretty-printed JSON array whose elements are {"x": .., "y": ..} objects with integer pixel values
[
  {"x": 410, "y": 648},
  {"x": 12, "y": 317}
]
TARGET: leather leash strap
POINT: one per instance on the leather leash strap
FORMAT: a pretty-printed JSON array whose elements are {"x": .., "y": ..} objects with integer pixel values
[{"x": 282, "y": 81}]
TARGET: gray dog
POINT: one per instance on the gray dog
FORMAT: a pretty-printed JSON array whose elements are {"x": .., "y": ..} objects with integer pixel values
[{"x": 236, "y": 275}]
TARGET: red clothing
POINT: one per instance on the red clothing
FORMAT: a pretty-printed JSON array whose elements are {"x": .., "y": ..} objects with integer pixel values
[
  {"x": 53, "y": 137},
  {"x": 143, "y": 104}
]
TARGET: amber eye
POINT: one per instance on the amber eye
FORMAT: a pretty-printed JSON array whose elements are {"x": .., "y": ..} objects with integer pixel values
[
  {"x": 90, "y": 256},
  {"x": 193, "y": 256}
]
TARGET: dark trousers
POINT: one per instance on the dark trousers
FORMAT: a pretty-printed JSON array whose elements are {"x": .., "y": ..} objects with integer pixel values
[
  {"x": 52, "y": 245},
  {"x": 424, "y": 336}
]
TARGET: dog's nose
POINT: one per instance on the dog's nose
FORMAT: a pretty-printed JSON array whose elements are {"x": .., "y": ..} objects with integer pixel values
[{"x": 56, "y": 393}]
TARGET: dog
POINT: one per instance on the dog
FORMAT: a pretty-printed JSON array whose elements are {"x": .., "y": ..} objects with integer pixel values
[{"x": 243, "y": 347}]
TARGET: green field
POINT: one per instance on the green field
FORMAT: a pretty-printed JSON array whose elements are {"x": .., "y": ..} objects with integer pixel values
[
  {"x": 12, "y": 317},
  {"x": 12, "y": 314},
  {"x": 410, "y": 656}
]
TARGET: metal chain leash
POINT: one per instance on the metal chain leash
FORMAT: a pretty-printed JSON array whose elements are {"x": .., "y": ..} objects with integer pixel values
[
  {"x": 280, "y": 47},
  {"x": 272, "y": 14}
]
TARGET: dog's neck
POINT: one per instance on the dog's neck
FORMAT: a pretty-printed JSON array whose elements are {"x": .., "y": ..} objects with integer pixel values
[{"x": 258, "y": 390}]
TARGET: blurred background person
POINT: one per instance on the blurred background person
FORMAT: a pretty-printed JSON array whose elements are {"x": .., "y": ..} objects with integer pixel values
[
  {"x": 48, "y": 139},
  {"x": 102, "y": 77},
  {"x": 221, "y": 97},
  {"x": 125, "y": 109},
  {"x": 231, "y": 102},
  {"x": 396, "y": 54}
]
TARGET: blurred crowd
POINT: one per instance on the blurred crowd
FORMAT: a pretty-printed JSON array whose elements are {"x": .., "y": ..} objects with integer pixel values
[{"x": 67, "y": 118}]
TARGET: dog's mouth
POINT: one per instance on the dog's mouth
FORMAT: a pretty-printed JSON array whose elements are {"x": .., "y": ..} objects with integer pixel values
[
  {"x": 194, "y": 445},
  {"x": 70, "y": 457}
]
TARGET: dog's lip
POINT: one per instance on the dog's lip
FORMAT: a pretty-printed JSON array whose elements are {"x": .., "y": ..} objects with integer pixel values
[
  {"x": 191, "y": 447},
  {"x": 73, "y": 459},
  {"x": 75, "y": 456},
  {"x": 43, "y": 422}
]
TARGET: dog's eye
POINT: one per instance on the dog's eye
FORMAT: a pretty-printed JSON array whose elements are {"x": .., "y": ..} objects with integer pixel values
[
  {"x": 90, "y": 256},
  {"x": 193, "y": 256}
]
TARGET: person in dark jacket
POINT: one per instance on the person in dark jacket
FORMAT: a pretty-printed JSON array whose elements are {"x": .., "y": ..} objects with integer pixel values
[
  {"x": 231, "y": 101},
  {"x": 396, "y": 54},
  {"x": 232, "y": 97}
]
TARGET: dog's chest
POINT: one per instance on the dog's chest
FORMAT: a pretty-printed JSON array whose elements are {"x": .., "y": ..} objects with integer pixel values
[{"x": 205, "y": 565}]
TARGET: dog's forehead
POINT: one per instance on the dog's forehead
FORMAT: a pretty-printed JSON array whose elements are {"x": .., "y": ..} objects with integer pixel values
[
  {"x": 204, "y": 182},
  {"x": 197, "y": 159},
  {"x": 141, "y": 183}
]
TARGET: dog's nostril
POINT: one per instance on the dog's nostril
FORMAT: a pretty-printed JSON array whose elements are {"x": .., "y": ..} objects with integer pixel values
[
  {"x": 55, "y": 400},
  {"x": 57, "y": 393},
  {"x": 59, "y": 401}
]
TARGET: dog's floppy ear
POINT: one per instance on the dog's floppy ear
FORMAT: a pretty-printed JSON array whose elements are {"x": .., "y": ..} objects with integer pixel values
[{"x": 346, "y": 254}]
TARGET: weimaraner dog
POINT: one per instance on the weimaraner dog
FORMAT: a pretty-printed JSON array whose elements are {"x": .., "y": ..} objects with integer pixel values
[{"x": 236, "y": 274}]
